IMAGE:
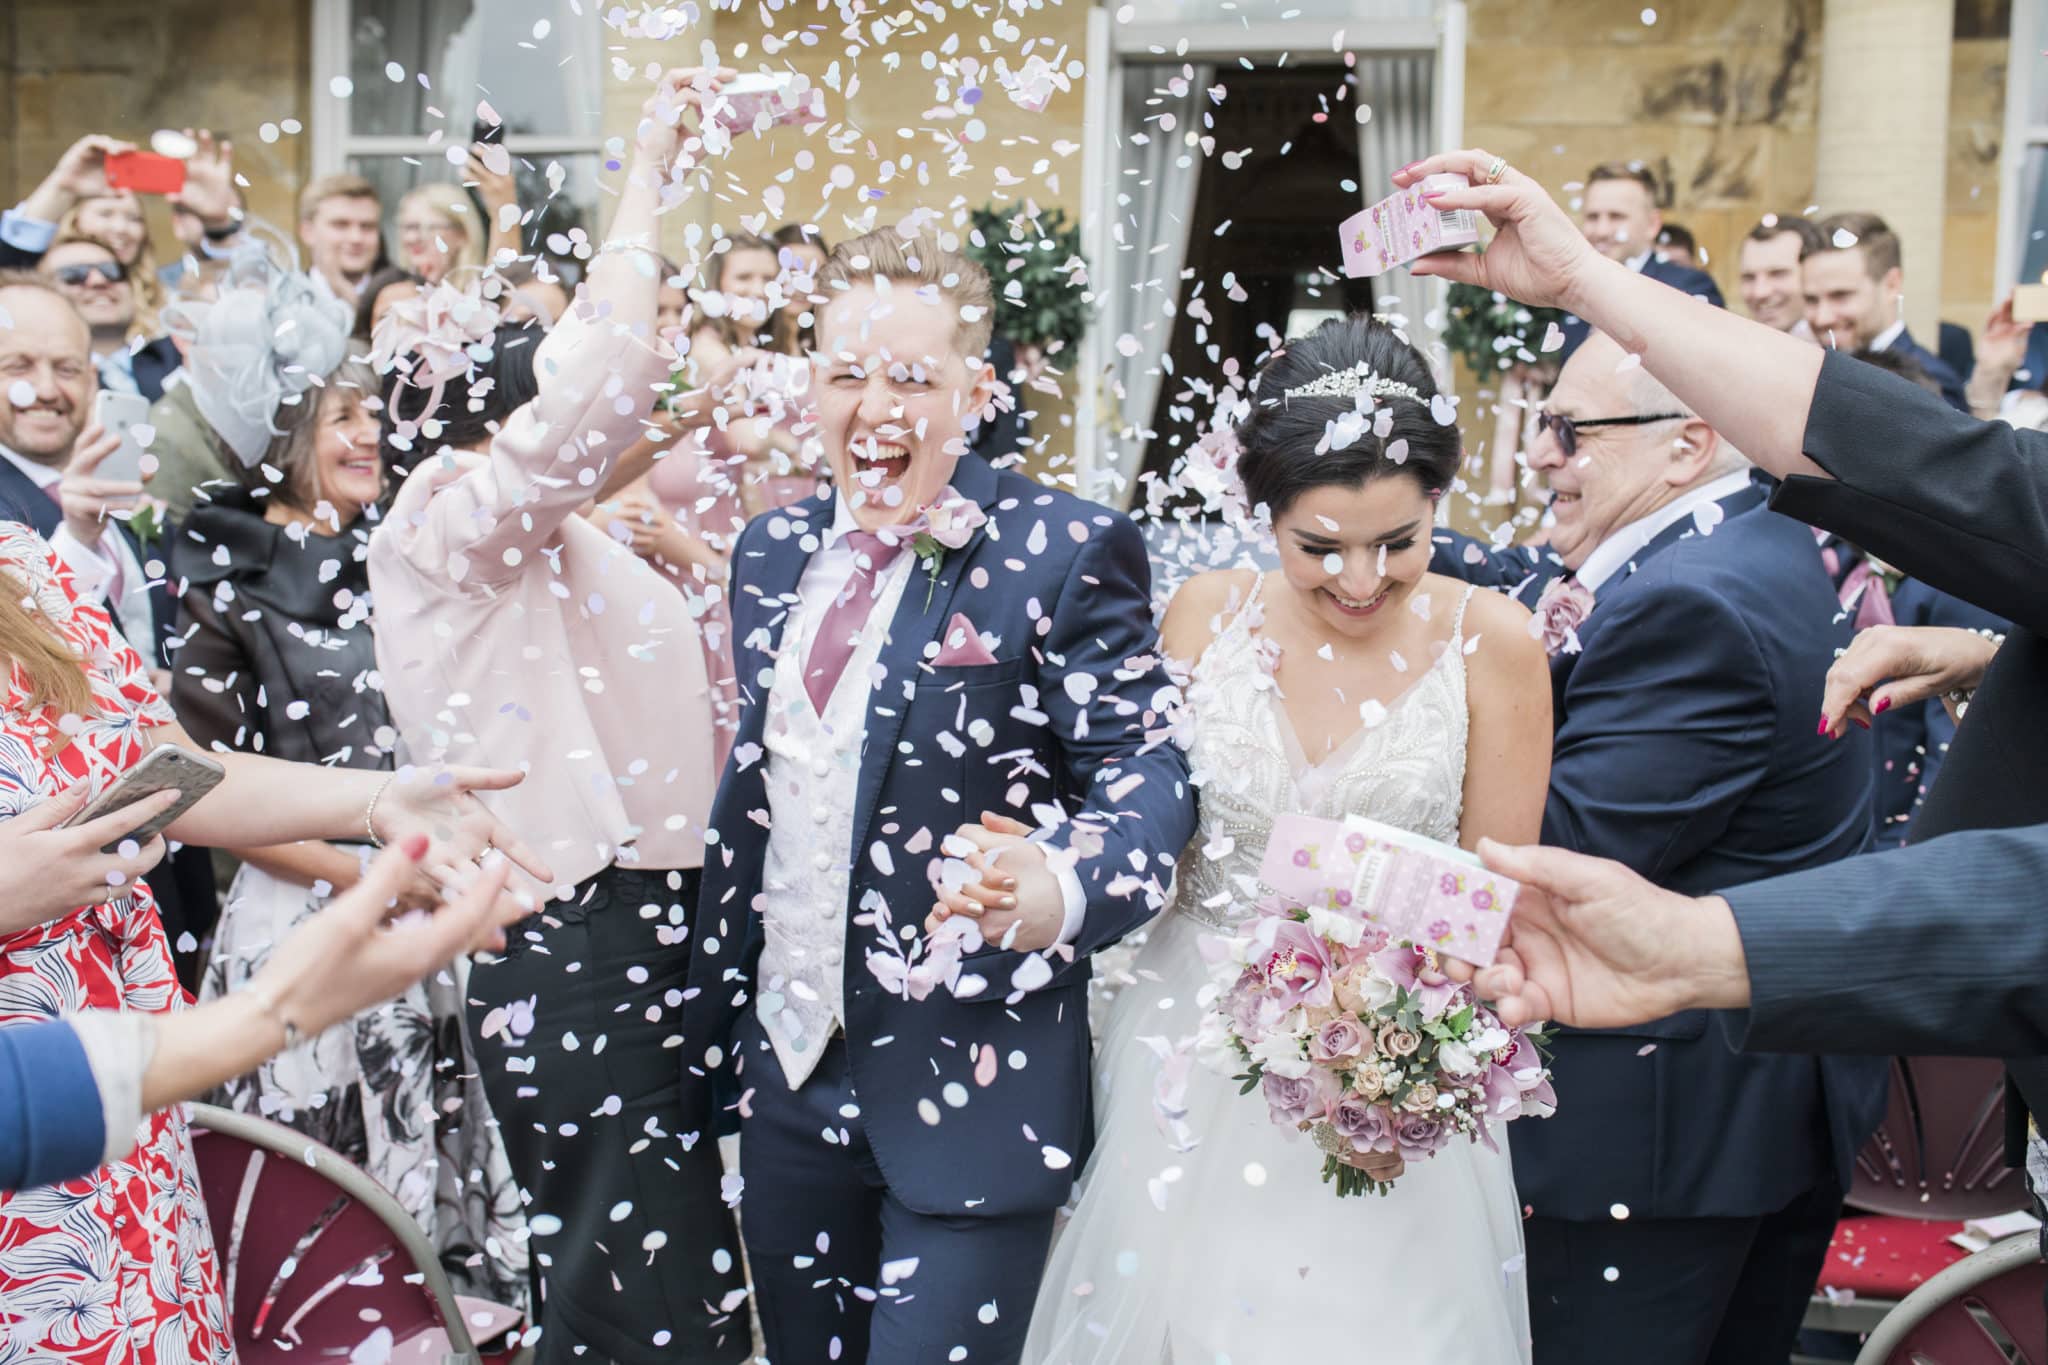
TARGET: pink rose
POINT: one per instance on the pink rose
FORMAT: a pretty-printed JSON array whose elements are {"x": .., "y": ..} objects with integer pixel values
[
  {"x": 1420, "y": 1136},
  {"x": 1341, "y": 1037},
  {"x": 1560, "y": 611},
  {"x": 1366, "y": 1124},
  {"x": 953, "y": 520},
  {"x": 1296, "y": 1100}
]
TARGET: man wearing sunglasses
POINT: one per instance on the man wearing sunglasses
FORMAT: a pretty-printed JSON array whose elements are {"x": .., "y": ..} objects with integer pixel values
[
  {"x": 87, "y": 271},
  {"x": 1683, "y": 1197}
]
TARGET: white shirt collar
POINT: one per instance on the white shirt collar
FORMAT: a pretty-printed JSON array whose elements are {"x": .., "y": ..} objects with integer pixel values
[
  {"x": 1611, "y": 554},
  {"x": 1883, "y": 340},
  {"x": 46, "y": 477},
  {"x": 1637, "y": 262}
]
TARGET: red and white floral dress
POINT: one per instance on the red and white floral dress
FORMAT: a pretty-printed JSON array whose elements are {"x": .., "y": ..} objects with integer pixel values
[{"x": 116, "y": 1266}]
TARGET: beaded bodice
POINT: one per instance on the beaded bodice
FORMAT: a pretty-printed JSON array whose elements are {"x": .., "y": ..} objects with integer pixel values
[{"x": 1406, "y": 768}]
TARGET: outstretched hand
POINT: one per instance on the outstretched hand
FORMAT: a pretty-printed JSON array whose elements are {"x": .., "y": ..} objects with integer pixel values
[
  {"x": 1537, "y": 255},
  {"x": 1594, "y": 945},
  {"x": 1887, "y": 666}
]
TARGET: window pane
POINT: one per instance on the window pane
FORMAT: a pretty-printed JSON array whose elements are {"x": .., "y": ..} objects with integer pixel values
[
  {"x": 550, "y": 86},
  {"x": 575, "y": 206},
  {"x": 2032, "y": 215}
]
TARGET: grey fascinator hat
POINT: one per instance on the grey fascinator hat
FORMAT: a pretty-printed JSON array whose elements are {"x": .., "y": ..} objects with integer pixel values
[{"x": 269, "y": 336}]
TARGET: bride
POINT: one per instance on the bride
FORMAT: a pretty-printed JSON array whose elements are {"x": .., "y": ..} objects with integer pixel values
[{"x": 1351, "y": 680}]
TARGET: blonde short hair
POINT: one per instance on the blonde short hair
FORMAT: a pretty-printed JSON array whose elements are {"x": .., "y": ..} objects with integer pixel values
[
  {"x": 453, "y": 203},
  {"x": 921, "y": 261},
  {"x": 341, "y": 185}
]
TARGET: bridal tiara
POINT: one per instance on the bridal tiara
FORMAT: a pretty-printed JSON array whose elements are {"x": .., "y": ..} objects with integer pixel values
[{"x": 1349, "y": 383}]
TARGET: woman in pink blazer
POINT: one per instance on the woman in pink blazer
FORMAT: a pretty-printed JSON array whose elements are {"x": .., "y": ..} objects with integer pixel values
[{"x": 508, "y": 625}]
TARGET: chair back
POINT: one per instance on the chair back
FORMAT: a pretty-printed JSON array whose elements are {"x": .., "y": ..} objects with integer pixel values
[
  {"x": 1939, "y": 1155},
  {"x": 316, "y": 1258},
  {"x": 1984, "y": 1310}
]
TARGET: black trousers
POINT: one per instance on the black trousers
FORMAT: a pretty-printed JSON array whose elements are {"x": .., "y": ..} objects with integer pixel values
[
  {"x": 635, "y": 1255},
  {"x": 844, "y": 1270},
  {"x": 1683, "y": 1291}
]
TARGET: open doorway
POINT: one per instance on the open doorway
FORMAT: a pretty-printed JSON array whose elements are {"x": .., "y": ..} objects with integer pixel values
[{"x": 1266, "y": 223}]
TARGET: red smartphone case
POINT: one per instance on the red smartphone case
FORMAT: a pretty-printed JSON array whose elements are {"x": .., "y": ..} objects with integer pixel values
[{"x": 145, "y": 173}]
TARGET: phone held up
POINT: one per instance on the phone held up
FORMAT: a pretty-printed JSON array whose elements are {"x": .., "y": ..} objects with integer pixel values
[
  {"x": 121, "y": 413},
  {"x": 164, "y": 768}
]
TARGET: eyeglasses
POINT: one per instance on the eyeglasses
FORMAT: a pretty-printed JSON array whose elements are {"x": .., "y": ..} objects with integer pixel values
[
  {"x": 76, "y": 276},
  {"x": 1567, "y": 429}
]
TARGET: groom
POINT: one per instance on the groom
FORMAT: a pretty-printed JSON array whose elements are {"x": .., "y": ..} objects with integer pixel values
[{"x": 902, "y": 1158}]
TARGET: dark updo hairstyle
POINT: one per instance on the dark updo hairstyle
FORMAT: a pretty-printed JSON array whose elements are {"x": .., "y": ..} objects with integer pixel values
[
  {"x": 1279, "y": 438},
  {"x": 471, "y": 405}
]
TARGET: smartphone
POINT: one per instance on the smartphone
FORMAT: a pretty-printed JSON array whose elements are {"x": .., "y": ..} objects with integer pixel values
[
  {"x": 743, "y": 98},
  {"x": 121, "y": 413},
  {"x": 164, "y": 768},
  {"x": 145, "y": 173}
]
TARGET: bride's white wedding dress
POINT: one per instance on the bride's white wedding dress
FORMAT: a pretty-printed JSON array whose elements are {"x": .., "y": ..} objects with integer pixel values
[{"x": 1237, "y": 1251}]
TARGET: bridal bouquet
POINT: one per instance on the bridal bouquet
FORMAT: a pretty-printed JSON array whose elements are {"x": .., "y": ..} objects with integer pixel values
[{"x": 1353, "y": 1034}]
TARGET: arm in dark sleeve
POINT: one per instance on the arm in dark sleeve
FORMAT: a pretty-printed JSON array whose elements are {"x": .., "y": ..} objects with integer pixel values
[
  {"x": 51, "y": 1125},
  {"x": 1666, "y": 730},
  {"x": 1520, "y": 571},
  {"x": 213, "y": 680},
  {"x": 1938, "y": 948},
  {"x": 1959, "y": 503}
]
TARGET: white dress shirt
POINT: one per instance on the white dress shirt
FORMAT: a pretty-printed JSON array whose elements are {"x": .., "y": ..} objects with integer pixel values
[
  {"x": 1624, "y": 544},
  {"x": 1883, "y": 340},
  {"x": 108, "y": 571},
  {"x": 813, "y": 777}
]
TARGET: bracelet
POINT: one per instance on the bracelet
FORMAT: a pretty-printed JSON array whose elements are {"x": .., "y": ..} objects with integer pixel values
[
  {"x": 370, "y": 811},
  {"x": 275, "y": 1012}
]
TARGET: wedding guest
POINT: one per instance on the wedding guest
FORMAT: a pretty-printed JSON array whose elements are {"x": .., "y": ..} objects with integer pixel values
[
  {"x": 130, "y": 358},
  {"x": 506, "y": 624},
  {"x": 1934, "y": 948},
  {"x": 278, "y": 658},
  {"x": 802, "y": 252},
  {"x": 1675, "y": 244},
  {"x": 1620, "y": 216},
  {"x": 94, "y": 1075},
  {"x": 379, "y": 294},
  {"x": 1768, "y": 274},
  {"x": 440, "y": 231},
  {"x": 338, "y": 225},
  {"x": 2009, "y": 380},
  {"x": 1854, "y": 283},
  {"x": 81, "y": 710},
  {"x": 76, "y": 197}
]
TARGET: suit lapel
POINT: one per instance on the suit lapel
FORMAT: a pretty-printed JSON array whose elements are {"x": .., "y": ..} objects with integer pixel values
[
  {"x": 920, "y": 615},
  {"x": 772, "y": 580}
]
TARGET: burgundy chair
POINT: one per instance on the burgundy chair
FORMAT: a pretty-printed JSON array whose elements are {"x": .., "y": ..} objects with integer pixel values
[
  {"x": 1936, "y": 1160},
  {"x": 1984, "y": 1310},
  {"x": 316, "y": 1258}
]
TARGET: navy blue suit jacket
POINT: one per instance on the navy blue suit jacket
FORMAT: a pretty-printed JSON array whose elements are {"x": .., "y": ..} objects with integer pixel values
[
  {"x": 1936, "y": 369},
  {"x": 1683, "y": 278},
  {"x": 40, "y": 510},
  {"x": 1685, "y": 749},
  {"x": 154, "y": 364},
  {"x": 1060, "y": 719}
]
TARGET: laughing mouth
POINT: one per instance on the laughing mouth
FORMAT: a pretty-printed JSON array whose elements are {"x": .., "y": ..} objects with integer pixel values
[
  {"x": 1352, "y": 606},
  {"x": 890, "y": 460}
]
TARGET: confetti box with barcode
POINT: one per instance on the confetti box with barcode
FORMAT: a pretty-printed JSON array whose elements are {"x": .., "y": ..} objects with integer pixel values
[
  {"x": 1417, "y": 889},
  {"x": 1403, "y": 226}
]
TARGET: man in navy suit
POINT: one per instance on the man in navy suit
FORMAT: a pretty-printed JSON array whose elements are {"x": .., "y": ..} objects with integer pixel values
[
  {"x": 1855, "y": 285},
  {"x": 1620, "y": 217},
  {"x": 903, "y": 1151},
  {"x": 1684, "y": 1195}
]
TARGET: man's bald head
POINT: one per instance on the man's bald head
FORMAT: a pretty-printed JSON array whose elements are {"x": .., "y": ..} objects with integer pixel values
[{"x": 47, "y": 380}]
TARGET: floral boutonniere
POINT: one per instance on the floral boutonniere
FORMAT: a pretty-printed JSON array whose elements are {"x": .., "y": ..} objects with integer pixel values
[
  {"x": 147, "y": 522},
  {"x": 949, "y": 524}
]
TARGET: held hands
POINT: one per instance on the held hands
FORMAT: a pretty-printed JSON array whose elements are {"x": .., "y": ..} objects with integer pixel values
[
  {"x": 1016, "y": 896},
  {"x": 46, "y": 872},
  {"x": 367, "y": 945},
  {"x": 87, "y": 499},
  {"x": 1596, "y": 946},
  {"x": 1537, "y": 255},
  {"x": 1887, "y": 666}
]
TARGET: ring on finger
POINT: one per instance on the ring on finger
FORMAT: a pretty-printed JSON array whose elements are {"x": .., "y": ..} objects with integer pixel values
[{"x": 1495, "y": 171}]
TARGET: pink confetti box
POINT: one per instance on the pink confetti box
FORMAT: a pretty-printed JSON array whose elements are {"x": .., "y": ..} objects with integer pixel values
[
  {"x": 746, "y": 97},
  {"x": 1415, "y": 888},
  {"x": 1401, "y": 227}
]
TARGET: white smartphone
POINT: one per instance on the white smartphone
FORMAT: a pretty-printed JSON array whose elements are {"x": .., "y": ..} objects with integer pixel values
[
  {"x": 164, "y": 768},
  {"x": 121, "y": 413}
]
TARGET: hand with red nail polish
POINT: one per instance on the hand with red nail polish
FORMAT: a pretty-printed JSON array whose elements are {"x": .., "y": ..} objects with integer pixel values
[{"x": 1887, "y": 666}]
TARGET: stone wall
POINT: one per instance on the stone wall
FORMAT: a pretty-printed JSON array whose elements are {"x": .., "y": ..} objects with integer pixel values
[
  {"x": 1720, "y": 98},
  {"x": 129, "y": 67}
]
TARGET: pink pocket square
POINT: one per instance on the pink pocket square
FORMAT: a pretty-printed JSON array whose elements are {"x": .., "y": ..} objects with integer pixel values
[{"x": 962, "y": 645}]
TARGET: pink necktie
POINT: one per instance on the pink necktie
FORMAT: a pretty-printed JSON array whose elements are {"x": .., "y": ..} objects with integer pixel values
[
  {"x": 1865, "y": 586},
  {"x": 832, "y": 646}
]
